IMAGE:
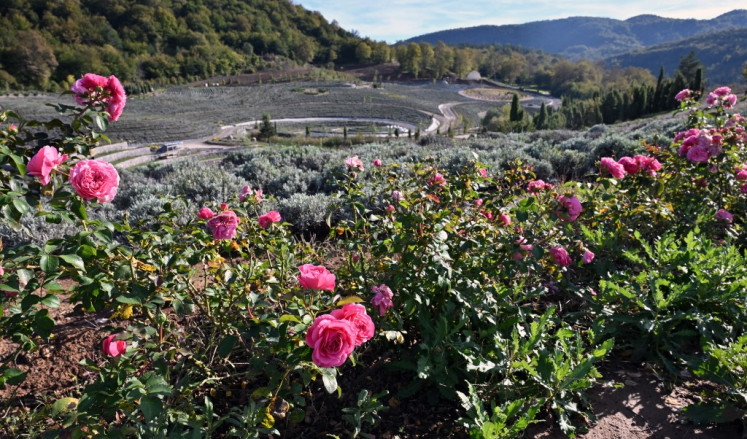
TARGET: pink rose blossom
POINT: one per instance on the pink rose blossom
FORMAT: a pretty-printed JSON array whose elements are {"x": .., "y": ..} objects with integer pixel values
[
  {"x": 478, "y": 202},
  {"x": 487, "y": 214},
  {"x": 44, "y": 162},
  {"x": 629, "y": 164},
  {"x": 538, "y": 186},
  {"x": 377, "y": 163},
  {"x": 615, "y": 169},
  {"x": 698, "y": 154},
  {"x": 711, "y": 99},
  {"x": 560, "y": 255},
  {"x": 682, "y": 95},
  {"x": 206, "y": 213},
  {"x": 107, "y": 91},
  {"x": 247, "y": 192},
  {"x": 483, "y": 173},
  {"x": 224, "y": 225},
  {"x": 11, "y": 294},
  {"x": 270, "y": 217},
  {"x": 114, "y": 348},
  {"x": 390, "y": 208},
  {"x": 648, "y": 164},
  {"x": 331, "y": 339},
  {"x": 685, "y": 134},
  {"x": 397, "y": 196},
  {"x": 354, "y": 163},
  {"x": 722, "y": 91},
  {"x": 723, "y": 215},
  {"x": 356, "y": 314},
  {"x": 588, "y": 256},
  {"x": 504, "y": 219},
  {"x": 316, "y": 277},
  {"x": 383, "y": 298},
  {"x": 437, "y": 180},
  {"x": 2, "y": 270},
  {"x": 730, "y": 101},
  {"x": 12, "y": 128},
  {"x": 95, "y": 179},
  {"x": 743, "y": 189},
  {"x": 572, "y": 207},
  {"x": 223, "y": 206}
]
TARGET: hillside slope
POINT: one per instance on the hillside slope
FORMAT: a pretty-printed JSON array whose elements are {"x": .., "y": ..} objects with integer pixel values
[
  {"x": 44, "y": 41},
  {"x": 589, "y": 37},
  {"x": 722, "y": 54}
]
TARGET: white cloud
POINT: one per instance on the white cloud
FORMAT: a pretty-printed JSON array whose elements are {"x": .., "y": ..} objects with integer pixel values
[{"x": 393, "y": 20}]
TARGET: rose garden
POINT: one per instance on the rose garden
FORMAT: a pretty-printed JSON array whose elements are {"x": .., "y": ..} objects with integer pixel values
[{"x": 486, "y": 290}]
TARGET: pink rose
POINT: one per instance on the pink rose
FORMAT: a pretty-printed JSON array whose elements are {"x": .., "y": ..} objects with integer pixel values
[
  {"x": 95, "y": 179},
  {"x": 2, "y": 270},
  {"x": 478, "y": 202},
  {"x": 44, "y": 162},
  {"x": 648, "y": 164},
  {"x": 487, "y": 214},
  {"x": 743, "y": 189},
  {"x": 356, "y": 314},
  {"x": 383, "y": 298},
  {"x": 206, "y": 213},
  {"x": 437, "y": 180},
  {"x": 572, "y": 206},
  {"x": 682, "y": 95},
  {"x": 722, "y": 91},
  {"x": 377, "y": 163},
  {"x": 629, "y": 164},
  {"x": 504, "y": 219},
  {"x": 588, "y": 256},
  {"x": 685, "y": 134},
  {"x": 270, "y": 217},
  {"x": 483, "y": 173},
  {"x": 397, "y": 196},
  {"x": 730, "y": 101},
  {"x": 560, "y": 256},
  {"x": 390, "y": 208},
  {"x": 11, "y": 294},
  {"x": 224, "y": 225},
  {"x": 354, "y": 163},
  {"x": 723, "y": 215},
  {"x": 114, "y": 348},
  {"x": 223, "y": 206},
  {"x": 615, "y": 169},
  {"x": 742, "y": 175},
  {"x": 698, "y": 154},
  {"x": 107, "y": 91},
  {"x": 711, "y": 99},
  {"x": 538, "y": 186},
  {"x": 316, "y": 277},
  {"x": 331, "y": 339}
]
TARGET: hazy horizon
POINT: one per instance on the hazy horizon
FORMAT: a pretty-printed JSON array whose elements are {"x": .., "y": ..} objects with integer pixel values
[{"x": 394, "y": 20}]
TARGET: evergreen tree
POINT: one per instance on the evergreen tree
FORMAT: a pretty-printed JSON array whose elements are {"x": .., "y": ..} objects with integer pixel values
[
  {"x": 516, "y": 114},
  {"x": 266, "y": 130},
  {"x": 657, "y": 100},
  {"x": 698, "y": 84},
  {"x": 688, "y": 67},
  {"x": 540, "y": 122}
]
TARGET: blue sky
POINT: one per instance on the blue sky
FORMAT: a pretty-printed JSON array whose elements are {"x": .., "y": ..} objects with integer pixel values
[{"x": 392, "y": 20}]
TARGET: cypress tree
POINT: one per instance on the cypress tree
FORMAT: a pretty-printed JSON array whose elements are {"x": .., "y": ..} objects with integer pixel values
[
  {"x": 657, "y": 101},
  {"x": 540, "y": 122},
  {"x": 516, "y": 114}
]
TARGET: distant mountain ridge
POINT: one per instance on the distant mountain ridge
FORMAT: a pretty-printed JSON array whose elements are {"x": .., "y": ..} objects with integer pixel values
[
  {"x": 589, "y": 37},
  {"x": 722, "y": 53}
]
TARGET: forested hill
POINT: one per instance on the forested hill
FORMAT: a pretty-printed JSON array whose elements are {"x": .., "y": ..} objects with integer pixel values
[
  {"x": 722, "y": 54},
  {"x": 589, "y": 37},
  {"x": 44, "y": 41}
]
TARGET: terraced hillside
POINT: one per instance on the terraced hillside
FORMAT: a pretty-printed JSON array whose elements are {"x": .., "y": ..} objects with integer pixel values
[{"x": 180, "y": 113}]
